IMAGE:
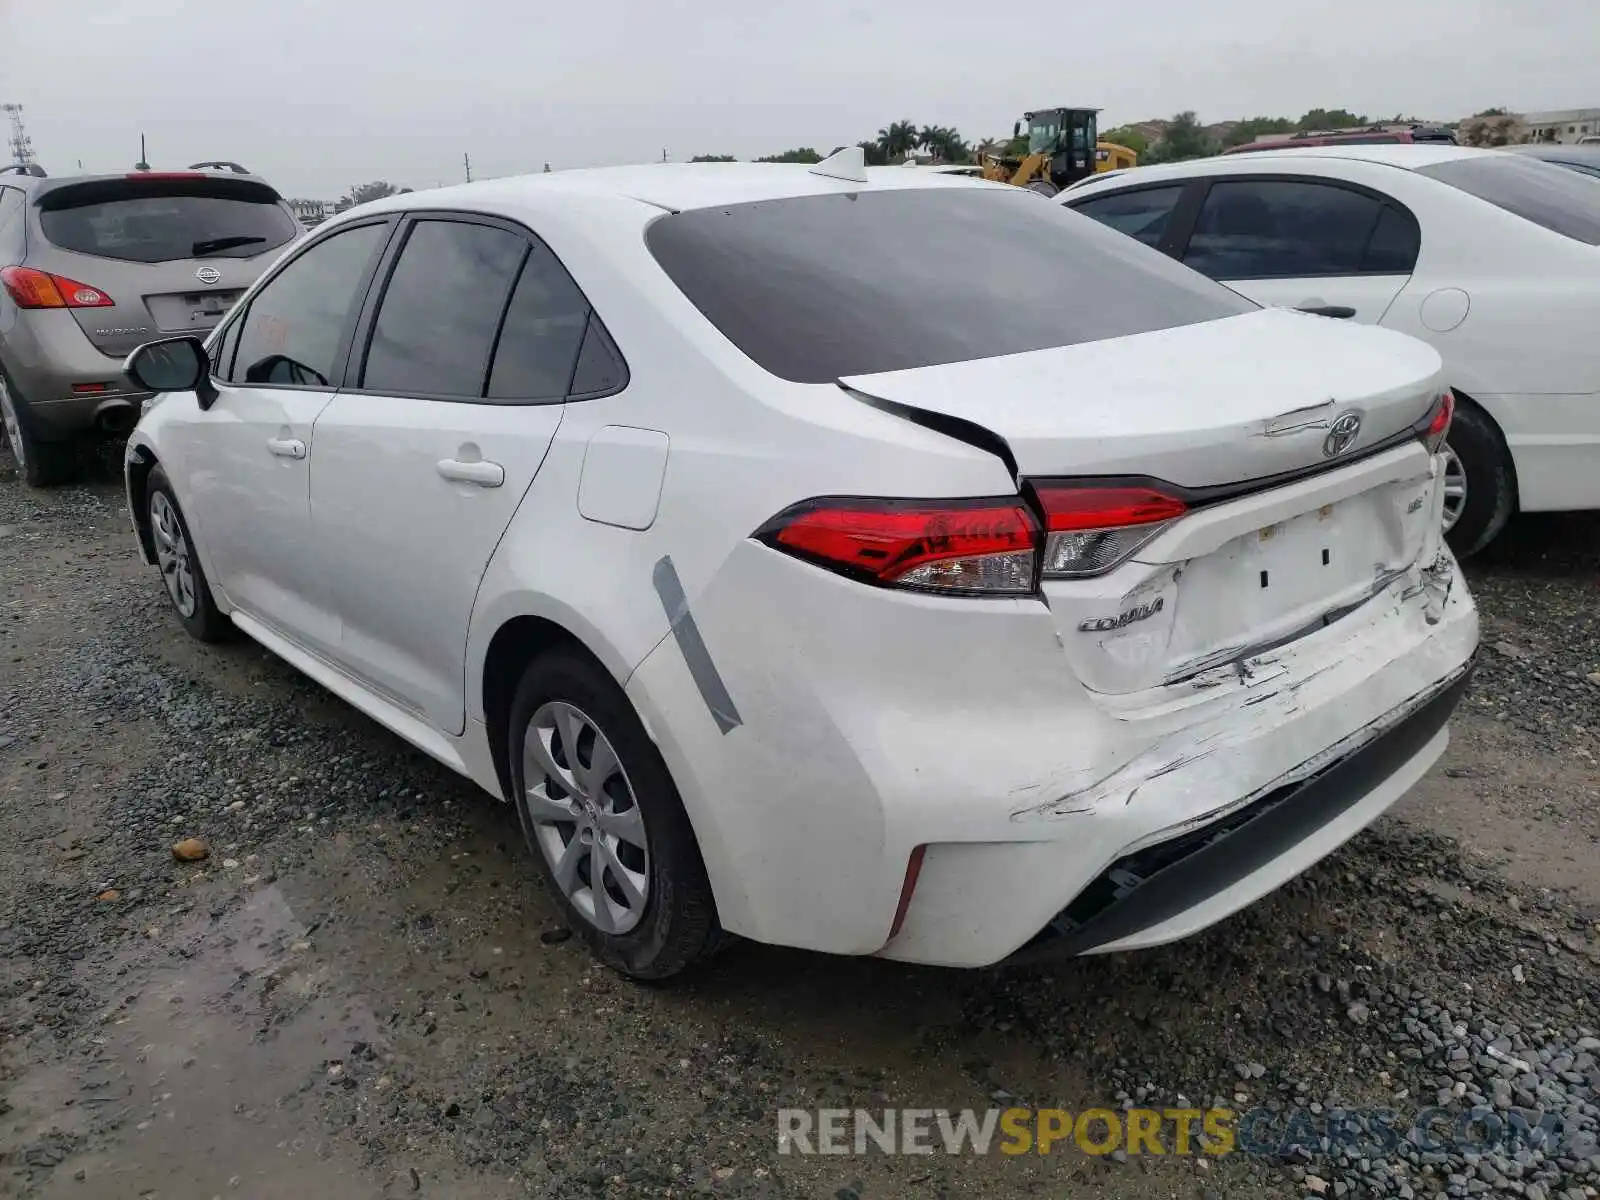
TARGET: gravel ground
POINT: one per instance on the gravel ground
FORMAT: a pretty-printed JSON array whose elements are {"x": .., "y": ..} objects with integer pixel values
[{"x": 361, "y": 991}]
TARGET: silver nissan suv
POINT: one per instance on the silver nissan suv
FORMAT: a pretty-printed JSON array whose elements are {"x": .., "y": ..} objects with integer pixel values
[{"x": 93, "y": 266}]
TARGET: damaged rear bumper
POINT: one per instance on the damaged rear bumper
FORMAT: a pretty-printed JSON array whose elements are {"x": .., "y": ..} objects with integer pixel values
[
  {"x": 878, "y": 729},
  {"x": 1155, "y": 894}
]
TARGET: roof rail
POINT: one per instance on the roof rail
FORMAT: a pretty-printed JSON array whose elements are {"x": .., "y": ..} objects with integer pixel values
[
  {"x": 32, "y": 170},
  {"x": 218, "y": 164}
]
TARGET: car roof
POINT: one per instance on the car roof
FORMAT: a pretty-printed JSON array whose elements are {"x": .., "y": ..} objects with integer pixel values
[
  {"x": 671, "y": 186},
  {"x": 1558, "y": 152},
  {"x": 1406, "y": 155}
]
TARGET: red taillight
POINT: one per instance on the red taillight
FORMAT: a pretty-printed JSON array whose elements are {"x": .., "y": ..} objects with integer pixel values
[
  {"x": 1089, "y": 529},
  {"x": 992, "y": 547},
  {"x": 984, "y": 547},
  {"x": 29, "y": 288},
  {"x": 1434, "y": 427}
]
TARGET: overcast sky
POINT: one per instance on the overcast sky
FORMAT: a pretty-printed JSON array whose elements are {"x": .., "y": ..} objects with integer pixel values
[{"x": 321, "y": 95}]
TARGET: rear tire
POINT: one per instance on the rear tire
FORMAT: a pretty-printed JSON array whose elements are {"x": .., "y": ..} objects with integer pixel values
[
  {"x": 1487, "y": 474},
  {"x": 1044, "y": 187},
  {"x": 618, "y": 818},
  {"x": 181, "y": 572},
  {"x": 41, "y": 464}
]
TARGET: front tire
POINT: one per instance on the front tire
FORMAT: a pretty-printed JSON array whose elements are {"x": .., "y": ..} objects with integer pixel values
[
  {"x": 601, "y": 813},
  {"x": 185, "y": 579},
  {"x": 1480, "y": 486},
  {"x": 41, "y": 464}
]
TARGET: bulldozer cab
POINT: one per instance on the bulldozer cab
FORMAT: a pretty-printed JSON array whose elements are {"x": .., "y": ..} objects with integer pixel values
[{"x": 1067, "y": 138}]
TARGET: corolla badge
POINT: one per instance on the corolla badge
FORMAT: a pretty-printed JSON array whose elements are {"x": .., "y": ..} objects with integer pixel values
[
  {"x": 1342, "y": 435},
  {"x": 1139, "y": 612},
  {"x": 207, "y": 274}
]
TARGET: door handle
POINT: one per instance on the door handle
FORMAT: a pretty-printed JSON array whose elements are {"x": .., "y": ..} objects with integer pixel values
[
  {"x": 1342, "y": 311},
  {"x": 480, "y": 473},
  {"x": 287, "y": 447}
]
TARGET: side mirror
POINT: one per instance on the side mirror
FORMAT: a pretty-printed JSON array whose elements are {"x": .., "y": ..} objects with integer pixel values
[
  {"x": 177, "y": 364},
  {"x": 1016, "y": 129}
]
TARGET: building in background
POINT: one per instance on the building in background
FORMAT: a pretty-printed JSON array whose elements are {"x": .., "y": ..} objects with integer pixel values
[
  {"x": 1569, "y": 125},
  {"x": 312, "y": 212}
]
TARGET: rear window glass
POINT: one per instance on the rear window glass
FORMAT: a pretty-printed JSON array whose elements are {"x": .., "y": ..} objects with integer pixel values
[
  {"x": 813, "y": 288},
  {"x": 153, "y": 221},
  {"x": 1565, "y": 202}
]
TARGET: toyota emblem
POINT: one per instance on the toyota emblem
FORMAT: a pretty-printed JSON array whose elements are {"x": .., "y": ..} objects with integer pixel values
[
  {"x": 207, "y": 274},
  {"x": 1342, "y": 436}
]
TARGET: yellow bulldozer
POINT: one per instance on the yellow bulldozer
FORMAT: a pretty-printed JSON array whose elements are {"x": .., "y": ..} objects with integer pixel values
[{"x": 1063, "y": 147}]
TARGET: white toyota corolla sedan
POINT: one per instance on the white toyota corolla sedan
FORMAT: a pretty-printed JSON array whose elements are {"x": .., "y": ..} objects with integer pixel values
[
  {"x": 866, "y": 561},
  {"x": 1492, "y": 258}
]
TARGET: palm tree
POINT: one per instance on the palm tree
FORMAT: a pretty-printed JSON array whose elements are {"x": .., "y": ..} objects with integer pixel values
[
  {"x": 897, "y": 140},
  {"x": 944, "y": 143}
]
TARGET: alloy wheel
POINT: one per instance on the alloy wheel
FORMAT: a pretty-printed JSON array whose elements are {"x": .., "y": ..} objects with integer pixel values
[
  {"x": 1455, "y": 487},
  {"x": 586, "y": 818},
  {"x": 13, "y": 426},
  {"x": 172, "y": 553}
]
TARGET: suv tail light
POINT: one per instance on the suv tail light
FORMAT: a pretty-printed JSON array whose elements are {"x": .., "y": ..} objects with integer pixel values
[
  {"x": 30, "y": 288},
  {"x": 1435, "y": 427},
  {"x": 987, "y": 547}
]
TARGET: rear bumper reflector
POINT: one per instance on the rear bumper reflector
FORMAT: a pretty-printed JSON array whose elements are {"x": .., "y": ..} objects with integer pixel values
[
  {"x": 913, "y": 870},
  {"x": 1153, "y": 885}
]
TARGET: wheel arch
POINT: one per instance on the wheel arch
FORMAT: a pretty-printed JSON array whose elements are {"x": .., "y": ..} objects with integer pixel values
[
  {"x": 140, "y": 462},
  {"x": 1464, "y": 399},
  {"x": 516, "y": 642}
]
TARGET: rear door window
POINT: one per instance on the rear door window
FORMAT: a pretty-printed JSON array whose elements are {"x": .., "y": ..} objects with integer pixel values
[
  {"x": 438, "y": 318},
  {"x": 297, "y": 323},
  {"x": 813, "y": 288},
  {"x": 1295, "y": 229},
  {"x": 160, "y": 220},
  {"x": 1143, "y": 213},
  {"x": 1559, "y": 200}
]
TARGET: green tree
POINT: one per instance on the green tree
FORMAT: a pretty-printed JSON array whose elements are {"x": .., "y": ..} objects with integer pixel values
[
  {"x": 1253, "y": 127},
  {"x": 1184, "y": 138},
  {"x": 1330, "y": 118},
  {"x": 1127, "y": 135},
  {"x": 364, "y": 192},
  {"x": 944, "y": 143},
  {"x": 1491, "y": 112},
  {"x": 873, "y": 153},
  {"x": 713, "y": 158},
  {"x": 804, "y": 154},
  {"x": 897, "y": 139}
]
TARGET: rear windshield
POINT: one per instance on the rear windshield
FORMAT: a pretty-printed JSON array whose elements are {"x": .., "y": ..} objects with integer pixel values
[
  {"x": 813, "y": 288},
  {"x": 1566, "y": 202},
  {"x": 153, "y": 221}
]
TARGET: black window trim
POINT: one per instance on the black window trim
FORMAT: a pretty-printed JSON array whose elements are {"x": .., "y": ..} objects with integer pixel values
[
  {"x": 341, "y": 356},
  {"x": 361, "y": 342},
  {"x": 1182, "y": 236}
]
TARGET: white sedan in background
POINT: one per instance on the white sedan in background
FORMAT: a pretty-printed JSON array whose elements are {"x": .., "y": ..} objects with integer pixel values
[
  {"x": 798, "y": 574},
  {"x": 1492, "y": 258}
]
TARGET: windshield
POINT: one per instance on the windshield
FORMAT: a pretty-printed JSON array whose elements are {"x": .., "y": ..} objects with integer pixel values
[
  {"x": 814, "y": 288},
  {"x": 1565, "y": 202},
  {"x": 152, "y": 221},
  {"x": 1044, "y": 132}
]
